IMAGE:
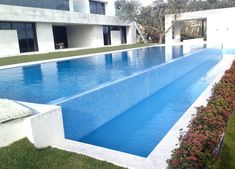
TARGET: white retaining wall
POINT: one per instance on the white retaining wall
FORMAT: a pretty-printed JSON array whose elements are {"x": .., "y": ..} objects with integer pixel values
[
  {"x": 45, "y": 37},
  {"x": 9, "y": 44},
  {"x": 116, "y": 37},
  {"x": 85, "y": 36},
  {"x": 43, "y": 129}
]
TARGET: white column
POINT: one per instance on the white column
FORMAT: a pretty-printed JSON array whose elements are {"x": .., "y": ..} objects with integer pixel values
[
  {"x": 168, "y": 28},
  {"x": 131, "y": 33},
  {"x": 71, "y": 7},
  {"x": 110, "y": 8},
  {"x": 177, "y": 30},
  {"x": 45, "y": 37}
]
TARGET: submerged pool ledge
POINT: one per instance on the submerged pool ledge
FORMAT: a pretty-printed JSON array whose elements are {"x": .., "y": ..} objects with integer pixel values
[{"x": 162, "y": 152}]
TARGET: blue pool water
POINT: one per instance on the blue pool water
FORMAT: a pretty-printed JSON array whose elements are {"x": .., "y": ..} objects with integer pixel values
[
  {"x": 126, "y": 101},
  {"x": 140, "y": 128},
  {"x": 48, "y": 82}
]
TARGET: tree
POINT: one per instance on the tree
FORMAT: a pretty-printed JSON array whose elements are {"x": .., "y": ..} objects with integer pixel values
[{"x": 152, "y": 18}]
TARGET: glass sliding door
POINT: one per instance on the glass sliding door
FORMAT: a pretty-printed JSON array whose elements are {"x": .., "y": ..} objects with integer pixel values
[
  {"x": 107, "y": 35},
  {"x": 22, "y": 36}
]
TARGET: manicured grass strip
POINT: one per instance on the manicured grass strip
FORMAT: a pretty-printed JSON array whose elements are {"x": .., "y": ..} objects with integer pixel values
[
  {"x": 53, "y": 55},
  {"x": 228, "y": 151},
  {"x": 23, "y": 155}
]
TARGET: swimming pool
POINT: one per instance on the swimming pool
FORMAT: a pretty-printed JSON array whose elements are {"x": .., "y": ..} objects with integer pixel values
[{"x": 126, "y": 101}]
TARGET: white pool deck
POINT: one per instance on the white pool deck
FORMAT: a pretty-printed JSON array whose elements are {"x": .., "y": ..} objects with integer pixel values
[{"x": 45, "y": 128}]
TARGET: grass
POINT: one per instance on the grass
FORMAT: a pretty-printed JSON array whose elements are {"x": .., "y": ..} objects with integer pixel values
[
  {"x": 228, "y": 151},
  {"x": 53, "y": 55},
  {"x": 23, "y": 155}
]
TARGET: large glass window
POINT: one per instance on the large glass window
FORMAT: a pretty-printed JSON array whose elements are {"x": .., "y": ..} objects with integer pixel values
[
  {"x": 97, "y": 7},
  {"x": 26, "y": 35},
  {"x": 49, "y": 4}
]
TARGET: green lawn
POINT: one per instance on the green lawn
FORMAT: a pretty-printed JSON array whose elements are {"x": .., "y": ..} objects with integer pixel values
[
  {"x": 52, "y": 55},
  {"x": 23, "y": 155},
  {"x": 228, "y": 151}
]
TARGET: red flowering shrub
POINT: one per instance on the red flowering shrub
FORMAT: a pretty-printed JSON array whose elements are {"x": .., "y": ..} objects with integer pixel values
[{"x": 197, "y": 149}]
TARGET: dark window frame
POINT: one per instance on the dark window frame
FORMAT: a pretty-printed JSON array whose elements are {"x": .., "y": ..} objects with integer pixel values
[{"x": 97, "y": 7}]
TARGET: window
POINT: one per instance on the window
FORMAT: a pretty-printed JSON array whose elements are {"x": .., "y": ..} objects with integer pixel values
[
  {"x": 26, "y": 35},
  {"x": 5, "y": 26},
  {"x": 49, "y": 4},
  {"x": 106, "y": 34},
  {"x": 97, "y": 7}
]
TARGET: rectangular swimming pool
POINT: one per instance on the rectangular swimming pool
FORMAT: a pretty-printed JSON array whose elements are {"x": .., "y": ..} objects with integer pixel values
[{"x": 125, "y": 101}]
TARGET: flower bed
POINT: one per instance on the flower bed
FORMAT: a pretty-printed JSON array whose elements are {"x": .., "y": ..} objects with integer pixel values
[{"x": 199, "y": 146}]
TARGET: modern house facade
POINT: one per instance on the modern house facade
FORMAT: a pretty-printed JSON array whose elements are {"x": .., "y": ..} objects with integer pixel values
[
  {"x": 219, "y": 26},
  {"x": 47, "y": 25}
]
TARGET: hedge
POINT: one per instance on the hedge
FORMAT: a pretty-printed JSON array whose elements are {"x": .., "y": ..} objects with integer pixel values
[{"x": 199, "y": 146}]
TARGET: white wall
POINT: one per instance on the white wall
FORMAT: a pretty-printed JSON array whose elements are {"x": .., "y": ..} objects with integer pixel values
[
  {"x": 116, "y": 38},
  {"x": 45, "y": 37},
  {"x": 110, "y": 8},
  {"x": 220, "y": 26},
  {"x": 177, "y": 31},
  {"x": 44, "y": 128},
  {"x": 85, "y": 36},
  {"x": 81, "y": 6},
  {"x": 27, "y": 14},
  {"x": 9, "y": 44},
  {"x": 11, "y": 132},
  {"x": 131, "y": 33}
]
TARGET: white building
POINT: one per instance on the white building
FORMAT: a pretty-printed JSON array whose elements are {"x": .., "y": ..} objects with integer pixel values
[
  {"x": 46, "y": 25},
  {"x": 219, "y": 24}
]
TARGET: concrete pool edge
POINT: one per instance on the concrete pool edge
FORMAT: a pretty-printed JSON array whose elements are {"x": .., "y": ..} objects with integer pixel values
[
  {"x": 72, "y": 57},
  {"x": 86, "y": 55},
  {"x": 162, "y": 152}
]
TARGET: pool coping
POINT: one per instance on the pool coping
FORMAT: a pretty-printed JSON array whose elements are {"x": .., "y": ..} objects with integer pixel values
[
  {"x": 163, "y": 150},
  {"x": 71, "y": 57},
  {"x": 83, "y": 56}
]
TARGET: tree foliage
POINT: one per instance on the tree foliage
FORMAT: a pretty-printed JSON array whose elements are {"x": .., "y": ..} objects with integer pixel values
[{"x": 152, "y": 18}]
